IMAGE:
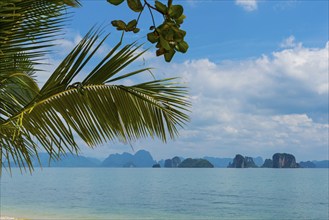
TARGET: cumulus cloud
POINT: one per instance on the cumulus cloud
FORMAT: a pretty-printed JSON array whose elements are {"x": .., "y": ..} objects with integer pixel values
[
  {"x": 290, "y": 73},
  {"x": 248, "y": 5},
  {"x": 259, "y": 106}
]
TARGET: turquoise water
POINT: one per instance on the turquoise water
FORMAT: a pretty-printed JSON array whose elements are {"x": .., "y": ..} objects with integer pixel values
[{"x": 103, "y": 193}]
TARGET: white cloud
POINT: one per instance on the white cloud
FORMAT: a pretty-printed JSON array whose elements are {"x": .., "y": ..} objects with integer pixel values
[
  {"x": 308, "y": 66},
  {"x": 302, "y": 69},
  {"x": 258, "y": 106},
  {"x": 248, "y": 5},
  {"x": 248, "y": 134},
  {"x": 290, "y": 42}
]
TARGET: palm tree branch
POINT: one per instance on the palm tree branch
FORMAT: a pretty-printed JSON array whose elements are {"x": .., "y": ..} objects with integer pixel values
[{"x": 103, "y": 112}]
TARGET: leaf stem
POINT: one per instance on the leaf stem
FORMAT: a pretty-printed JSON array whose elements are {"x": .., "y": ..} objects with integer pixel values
[
  {"x": 140, "y": 13},
  {"x": 169, "y": 3},
  {"x": 149, "y": 7}
]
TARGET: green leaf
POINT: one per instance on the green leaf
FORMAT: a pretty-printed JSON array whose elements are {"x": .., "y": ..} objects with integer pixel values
[
  {"x": 160, "y": 7},
  {"x": 182, "y": 47},
  {"x": 136, "y": 30},
  {"x": 164, "y": 43},
  {"x": 115, "y": 2},
  {"x": 135, "y": 5},
  {"x": 180, "y": 20},
  {"x": 169, "y": 36},
  {"x": 169, "y": 55},
  {"x": 131, "y": 25},
  {"x": 152, "y": 37},
  {"x": 176, "y": 11},
  {"x": 72, "y": 3},
  {"x": 179, "y": 35},
  {"x": 119, "y": 24},
  {"x": 160, "y": 52}
]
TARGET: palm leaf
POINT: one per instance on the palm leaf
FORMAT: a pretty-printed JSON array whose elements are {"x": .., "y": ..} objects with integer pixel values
[
  {"x": 93, "y": 109},
  {"x": 28, "y": 28},
  {"x": 17, "y": 90}
]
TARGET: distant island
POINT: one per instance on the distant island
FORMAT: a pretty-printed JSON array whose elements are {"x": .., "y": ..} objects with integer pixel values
[
  {"x": 279, "y": 160},
  {"x": 141, "y": 158},
  {"x": 284, "y": 160},
  {"x": 195, "y": 163},
  {"x": 242, "y": 162},
  {"x": 144, "y": 159}
]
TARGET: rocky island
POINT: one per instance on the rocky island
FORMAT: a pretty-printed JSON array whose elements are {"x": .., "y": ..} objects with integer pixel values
[
  {"x": 242, "y": 162},
  {"x": 268, "y": 163},
  {"x": 141, "y": 158},
  {"x": 195, "y": 163},
  {"x": 172, "y": 163},
  {"x": 281, "y": 160}
]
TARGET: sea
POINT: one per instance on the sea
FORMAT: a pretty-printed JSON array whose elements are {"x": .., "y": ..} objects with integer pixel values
[{"x": 166, "y": 193}]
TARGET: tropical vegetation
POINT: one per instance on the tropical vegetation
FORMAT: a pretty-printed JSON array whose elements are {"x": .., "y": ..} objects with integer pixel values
[
  {"x": 168, "y": 37},
  {"x": 96, "y": 109}
]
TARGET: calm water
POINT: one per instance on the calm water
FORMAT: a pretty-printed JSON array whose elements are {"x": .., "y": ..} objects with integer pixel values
[{"x": 97, "y": 193}]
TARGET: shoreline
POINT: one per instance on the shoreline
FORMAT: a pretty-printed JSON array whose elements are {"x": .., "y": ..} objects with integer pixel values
[
  {"x": 6, "y": 217},
  {"x": 9, "y": 218}
]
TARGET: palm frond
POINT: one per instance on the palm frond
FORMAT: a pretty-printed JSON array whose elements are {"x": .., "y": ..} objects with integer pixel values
[
  {"x": 17, "y": 90},
  {"x": 94, "y": 110},
  {"x": 28, "y": 28},
  {"x": 98, "y": 113}
]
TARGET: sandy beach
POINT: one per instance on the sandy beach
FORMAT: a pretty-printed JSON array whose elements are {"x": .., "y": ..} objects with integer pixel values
[{"x": 9, "y": 218}]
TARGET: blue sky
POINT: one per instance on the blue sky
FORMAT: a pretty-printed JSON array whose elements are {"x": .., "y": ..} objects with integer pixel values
[{"x": 257, "y": 73}]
